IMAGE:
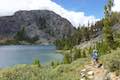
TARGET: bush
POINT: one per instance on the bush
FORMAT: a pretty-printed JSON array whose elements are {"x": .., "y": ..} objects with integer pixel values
[
  {"x": 67, "y": 58},
  {"x": 112, "y": 61},
  {"x": 77, "y": 53},
  {"x": 102, "y": 48},
  {"x": 55, "y": 63},
  {"x": 37, "y": 62},
  {"x": 114, "y": 66}
]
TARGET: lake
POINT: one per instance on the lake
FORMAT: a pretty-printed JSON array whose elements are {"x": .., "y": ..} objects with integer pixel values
[{"x": 25, "y": 54}]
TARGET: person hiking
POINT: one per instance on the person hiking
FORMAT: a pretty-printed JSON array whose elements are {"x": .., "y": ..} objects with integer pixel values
[{"x": 95, "y": 57}]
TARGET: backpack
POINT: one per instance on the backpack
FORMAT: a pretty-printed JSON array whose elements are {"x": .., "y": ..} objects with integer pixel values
[{"x": 95, "y": 55}]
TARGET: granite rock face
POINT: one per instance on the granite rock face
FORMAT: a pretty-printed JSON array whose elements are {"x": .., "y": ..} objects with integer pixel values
[{"x": 42, "y": 23}]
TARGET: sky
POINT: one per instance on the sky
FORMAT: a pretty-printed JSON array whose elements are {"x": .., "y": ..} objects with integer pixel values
[
  {"x": 78, "y": 12},
  {"x": 89, "y": 7}
]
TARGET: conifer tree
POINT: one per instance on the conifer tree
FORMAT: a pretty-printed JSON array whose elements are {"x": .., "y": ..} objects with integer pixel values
[
  {"x": 67, "y": 59},
  {"x": 77, "y": 53},
  {"x": 84, "y": 54},
  {"x": 108, "y": 34},
  {"x": 20, "y": 35}
]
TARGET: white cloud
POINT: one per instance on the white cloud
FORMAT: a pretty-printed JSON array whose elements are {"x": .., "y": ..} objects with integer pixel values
[
  {"x": 8, "y": 7},
  {"x": 116, "y": 6}
]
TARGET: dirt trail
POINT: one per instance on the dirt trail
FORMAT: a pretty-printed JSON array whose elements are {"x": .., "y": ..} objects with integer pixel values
[
  {"x": 94, "y": 73},
  {"x": 98, "y": 73}
]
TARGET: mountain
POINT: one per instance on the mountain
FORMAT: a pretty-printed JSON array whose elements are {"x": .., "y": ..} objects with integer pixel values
[{"x": 44, "y": 24}]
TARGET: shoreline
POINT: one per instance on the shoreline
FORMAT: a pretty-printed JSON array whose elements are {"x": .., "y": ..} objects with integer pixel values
[{"x": 62, "y": 51}]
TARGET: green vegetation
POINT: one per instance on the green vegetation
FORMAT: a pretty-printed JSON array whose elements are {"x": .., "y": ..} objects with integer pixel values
[
  {"x": 46, "y": 72},
  {"x": 20, "y": 35},
  {"x": 108, "y": 33},
  {"x": 73, "y": 55},
  {"x": 81, "y": 34},
  {"x": 55, "y": 63},
  {"x": 112, "y": 61},
  {"x": 67, "y": 58},
  {"x": 64, "y": 44},
  {"x": 37, "y": 62},
  {"x": 102, "y": 48}
]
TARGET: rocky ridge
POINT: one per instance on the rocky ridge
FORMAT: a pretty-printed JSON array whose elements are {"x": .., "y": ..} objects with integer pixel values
[{"x": 45, "y": 24}]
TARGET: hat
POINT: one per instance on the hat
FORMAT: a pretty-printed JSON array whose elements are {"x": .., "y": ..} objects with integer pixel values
[{"x": 94, "y": 51}]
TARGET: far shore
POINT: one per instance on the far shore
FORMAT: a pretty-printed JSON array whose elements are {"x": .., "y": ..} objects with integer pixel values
[
  {"x": 12, "y": 42},
  {"x": 62, "y": 51}
]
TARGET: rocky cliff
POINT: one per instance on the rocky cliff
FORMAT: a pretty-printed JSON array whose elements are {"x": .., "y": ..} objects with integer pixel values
[{"x": 45, "y": 24}]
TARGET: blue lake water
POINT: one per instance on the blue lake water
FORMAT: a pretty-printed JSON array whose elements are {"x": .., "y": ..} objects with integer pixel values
[{"x": 25, "y": 54}]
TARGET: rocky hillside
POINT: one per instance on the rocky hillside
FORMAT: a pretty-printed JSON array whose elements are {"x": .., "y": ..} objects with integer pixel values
[
  {"x": 98, "y": 37},
  {"x": 45, "y": 24}
]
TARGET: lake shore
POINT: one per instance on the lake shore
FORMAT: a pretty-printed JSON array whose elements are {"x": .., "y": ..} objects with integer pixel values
[
  {"x": 23, "y": 42},
  {"x": 62, "y": 51}
]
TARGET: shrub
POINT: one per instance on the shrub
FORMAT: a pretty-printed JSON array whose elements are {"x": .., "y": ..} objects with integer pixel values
[
  {"x": 55, "y": 63},
  {"x": 102, "y": 48},
  {"x": 112, "y": 61},
  {"x": 77, "y": 53},
  {"x": 37, "y": 62},
  {"x": 114, "y": 66},
  {"x": 67, "y": 58}
]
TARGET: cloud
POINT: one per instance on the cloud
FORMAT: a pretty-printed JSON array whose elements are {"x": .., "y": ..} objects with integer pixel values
[
  {"x": 116, "y": 6},
  {"x": 8, "y": 7}
]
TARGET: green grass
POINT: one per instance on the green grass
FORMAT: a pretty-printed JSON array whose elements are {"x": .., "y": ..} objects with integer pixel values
[
  {"x": 112, "y": 61},
  {"x": 45, "y": 72}
]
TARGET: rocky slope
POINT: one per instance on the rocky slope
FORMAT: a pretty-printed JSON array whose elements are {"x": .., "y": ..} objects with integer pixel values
[
  {"x": 98, "y": 37},
  {"x": 45, "y": 24}
]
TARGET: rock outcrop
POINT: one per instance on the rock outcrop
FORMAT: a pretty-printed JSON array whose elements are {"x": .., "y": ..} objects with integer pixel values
[
  {"x": 45, "y": 24},
  {"x": 93, "y": 73}
]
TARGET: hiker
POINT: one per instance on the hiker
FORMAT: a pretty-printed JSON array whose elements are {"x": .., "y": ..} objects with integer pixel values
[{"x": 95, "y": 57}]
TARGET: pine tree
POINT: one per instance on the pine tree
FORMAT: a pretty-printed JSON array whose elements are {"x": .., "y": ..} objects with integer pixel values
[
  {"x": 84, "y": 54},
  {"x": 20, "y": 35},
  {"x": 108, "y": 34},
  {"x": 77, "y": 53},
  {"x": 67, "y": 59}
]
